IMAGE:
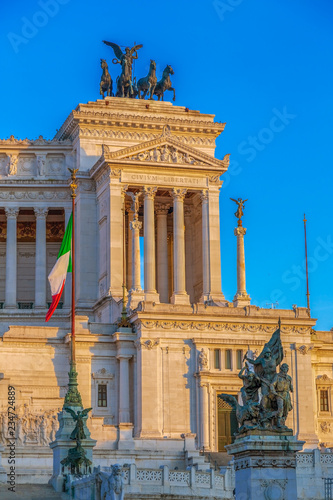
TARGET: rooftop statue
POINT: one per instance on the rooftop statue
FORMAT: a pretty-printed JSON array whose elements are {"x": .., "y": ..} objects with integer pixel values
[
  {"x": 124, "y": 81},
  {"x": 271, "y": 411},
  {"x": 240, "y": 205},
  {"x": 165, "y": 84},
  {"x": 106, "y": 80},
  {"x": 147, "y": 84}
]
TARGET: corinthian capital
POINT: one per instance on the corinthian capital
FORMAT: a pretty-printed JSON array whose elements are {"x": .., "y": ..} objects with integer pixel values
[
  {"x": 204, "y": 195},
  {"x": 240, "y": 231},
  {"x": 41, "y": 212},
  {"x": 135, "y": 224},
  {"x": 12, "y": 212},
  {"x": 149, "y": 192},
  {"x": 162, "y": 208},
  {"x": 178, "y": 193}
]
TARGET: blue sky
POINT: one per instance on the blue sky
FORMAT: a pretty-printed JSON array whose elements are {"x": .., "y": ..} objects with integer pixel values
[{"x": 263, "y": 67}]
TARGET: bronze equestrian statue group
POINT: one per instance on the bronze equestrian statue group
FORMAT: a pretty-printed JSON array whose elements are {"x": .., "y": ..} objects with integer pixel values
[{"x": 127, "y": 86}]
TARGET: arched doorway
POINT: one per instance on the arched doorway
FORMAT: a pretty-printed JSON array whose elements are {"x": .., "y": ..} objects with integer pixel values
[{"x": 226, "y": 424}]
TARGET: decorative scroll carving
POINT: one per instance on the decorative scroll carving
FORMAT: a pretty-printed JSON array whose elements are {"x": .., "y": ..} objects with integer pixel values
[
  {"x": 304, "y": 349},
  {"x": 35, "y": 195},
  {"x": 142, "y": 136},
  {"x": 220, "y": 327},
  {"x": 148, "y": 344},
  {"x": 325, "y": 427},
  {"x": 102, "y": 374}
]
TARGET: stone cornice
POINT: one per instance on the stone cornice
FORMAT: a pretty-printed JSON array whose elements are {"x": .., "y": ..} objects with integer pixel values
[
  {"x": 135, "y": 114},
  {"x": 39, "y": 145}
]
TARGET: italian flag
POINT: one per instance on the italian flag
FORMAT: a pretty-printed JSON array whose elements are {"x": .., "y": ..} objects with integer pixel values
[{"x": 57, "y": 276}]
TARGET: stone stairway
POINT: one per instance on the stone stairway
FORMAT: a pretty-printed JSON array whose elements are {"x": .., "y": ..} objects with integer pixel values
[
  {"x": 31, "y": 492},
  {"x": 195, "y": 459}
]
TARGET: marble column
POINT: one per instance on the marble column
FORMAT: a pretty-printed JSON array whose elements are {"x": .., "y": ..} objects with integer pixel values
[
  {"x": 241, "y": 298},
  {"x": 189, "y": 275},
  {"x": 136, "y": 293},
  {"x": 11, "y": 258},
  {"x": 213, "y": 216},
  {"x": 151, "y": 294},
  {"x": 205, "y": 247},
  {"x": 162, "y": 252},
  {"x": 129, "y": 249},
  {"x": 40, "y": 267},
  {"x": 179, "y": 295},
  {"x": 204, "y": 415},
  {"x": 67, "y": 294},
  {"x": 124, "y": 396}
]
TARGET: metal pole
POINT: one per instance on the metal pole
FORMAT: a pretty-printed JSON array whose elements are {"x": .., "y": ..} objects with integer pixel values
[
  {"x": 73, "y": 278},
  {"x": 306, "y": 264},
  {"x": 73, "y": 397}
]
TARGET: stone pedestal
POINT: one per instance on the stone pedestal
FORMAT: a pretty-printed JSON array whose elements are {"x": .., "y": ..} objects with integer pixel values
[
  {"x": 265, "y": 466},
  {"x": 62, "y": 444}
]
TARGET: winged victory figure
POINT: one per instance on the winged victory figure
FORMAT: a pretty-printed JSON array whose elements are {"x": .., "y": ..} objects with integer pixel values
[
  {"x": 125, "y": 80},
  {"x": 240, "y": 205},
  {"x": 78, "y": 433}
]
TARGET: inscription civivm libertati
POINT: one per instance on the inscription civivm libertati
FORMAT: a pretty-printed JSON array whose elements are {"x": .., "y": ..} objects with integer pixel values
[{"x": 163, "y": 179}]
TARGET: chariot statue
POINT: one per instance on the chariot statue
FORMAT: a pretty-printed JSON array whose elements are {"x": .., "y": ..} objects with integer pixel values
[{"x": 125, "y": 59}]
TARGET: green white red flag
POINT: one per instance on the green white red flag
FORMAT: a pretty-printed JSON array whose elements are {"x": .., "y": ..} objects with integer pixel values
[{"x": 57, "y": 276}]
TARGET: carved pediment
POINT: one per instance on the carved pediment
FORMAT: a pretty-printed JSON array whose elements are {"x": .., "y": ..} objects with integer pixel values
[
  {"x": 164, "y": 150},
  {"x": 324, "y": 380}
]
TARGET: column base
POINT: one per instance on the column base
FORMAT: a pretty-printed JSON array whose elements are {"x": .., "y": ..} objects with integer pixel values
[
  {"x": 242, "y": 299},
  {"x": 180, "y": 298},
  {"x": 212, "y": 299},
  {"x": 10, "y": 306},
  {"x": 125, "y": 440},
  {"x": 134, "y": 298},
  {"x": 152, "y": 297}
]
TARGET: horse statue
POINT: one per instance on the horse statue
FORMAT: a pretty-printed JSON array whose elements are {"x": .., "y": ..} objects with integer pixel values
[
  {"x": 165, "y": 84},
  {"x": 106, "y": 80},
  {"x": 135, "y": 89},
  {"x": 148, "y": 83}
]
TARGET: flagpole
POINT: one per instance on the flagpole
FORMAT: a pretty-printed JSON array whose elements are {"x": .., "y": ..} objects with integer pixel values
[
  {"x": 73, "y": 397},
  {"x": 306, "y": 264}
]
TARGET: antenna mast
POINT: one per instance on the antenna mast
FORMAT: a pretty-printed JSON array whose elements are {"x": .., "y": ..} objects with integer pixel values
[{"x": 306, "y": 264}]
